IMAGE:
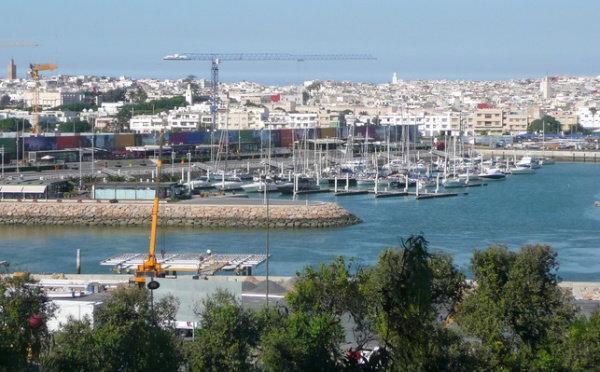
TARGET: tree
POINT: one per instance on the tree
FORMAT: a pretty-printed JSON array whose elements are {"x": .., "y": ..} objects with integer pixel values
[
  {"x": 227, "y": 336},
  {"x": 123, "y": 117},
  {"x": 114, "y": 95},
  {"x": 517, "y": 310},
  {"x": 13, "y": 125},
  {"x": 76, "y": 126},
  {"x": 129, "y": 334},
  {"x": 4, "y": 100},
  {"x": 303, "y": 342},
  {"x": 548, "y": 124},
  {"x": 411, "y": 293},
  {"x": 24, "y": 312},
  {"x": 581, "y": 350}
]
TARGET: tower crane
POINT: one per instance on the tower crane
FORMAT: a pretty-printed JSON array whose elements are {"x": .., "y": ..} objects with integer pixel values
[
  {"x": 217, "y": 57},
  {"x": 35, "y": 73}
]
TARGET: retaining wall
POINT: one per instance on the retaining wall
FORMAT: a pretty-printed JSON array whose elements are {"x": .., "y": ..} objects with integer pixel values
[{"x": 317, "y": 215}]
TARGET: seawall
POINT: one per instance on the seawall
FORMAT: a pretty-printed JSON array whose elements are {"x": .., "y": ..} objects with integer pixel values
[{"x": 89, "y": 213}]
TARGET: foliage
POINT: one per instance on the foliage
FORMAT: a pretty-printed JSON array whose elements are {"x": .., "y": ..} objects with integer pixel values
[
  {"x": 227, "y": 336},
  {"x": 304, "y": 342},
  {"x": 407, "y": 291},
  {"x": 14, "y": 125},
  {"x": 77, "y": 126},
  {"x": 75, "y": 107},
  {"x": 4, "y": 100},
  {"x": 517, "y": 310},
  {"x": 21, "y": 339},
  {"x": 581, "y": 351},
  {"x": 547, "y": 123},
  {"x": 333, "y": 289},
  {"x": 123, "y": 117},
  {"x": 130, "y": 334},
  {"x": 114, "y": 95}
]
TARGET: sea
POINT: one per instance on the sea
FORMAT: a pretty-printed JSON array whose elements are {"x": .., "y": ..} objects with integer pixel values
[{"x": 553, "y": 207}]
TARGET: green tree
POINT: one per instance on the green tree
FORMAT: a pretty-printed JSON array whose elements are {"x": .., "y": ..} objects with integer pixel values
[
  {"x": 303, "y": 342},
  {"x": 129, "y": 334},
  {"x": 411, "y": 294},
  {"x": 581, "y": 350},
  {"x": 517, "y": 310},
  {"x": 77, "y": 126},
  {"x": 114, "y": 95},
  {"x": 547, "y": 123},
  {"x": 123, "y": 117},
  {"x": 24, "y": 312},
  {"x": 227, "y": 336},
  {"x": 13, "y": 124},
  {"x": 4, "y": 100}
]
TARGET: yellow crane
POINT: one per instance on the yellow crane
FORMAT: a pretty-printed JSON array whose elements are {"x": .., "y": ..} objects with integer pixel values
[
  {"x": 150, "y": 268},
  {"x": 35, "y": 73}
]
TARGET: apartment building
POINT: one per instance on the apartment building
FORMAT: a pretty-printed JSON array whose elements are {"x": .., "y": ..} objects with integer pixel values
[{"x": 488, "y": 121}]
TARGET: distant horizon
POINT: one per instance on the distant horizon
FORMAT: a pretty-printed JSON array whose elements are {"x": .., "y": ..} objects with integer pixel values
[{"x": 229, "y": 72}]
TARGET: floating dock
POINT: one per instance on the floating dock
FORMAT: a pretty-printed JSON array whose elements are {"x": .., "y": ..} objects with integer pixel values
[
  {"x": 434, "y": 195},
  {"x": 188, "y": 262},
  {"x": 351, "y": 192},
  {"x": 302, "y": 192},
  {"x": 390, "y": 194}
]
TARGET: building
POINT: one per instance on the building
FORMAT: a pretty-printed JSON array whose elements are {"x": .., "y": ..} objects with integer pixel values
[{"x": 11, "y": 72}]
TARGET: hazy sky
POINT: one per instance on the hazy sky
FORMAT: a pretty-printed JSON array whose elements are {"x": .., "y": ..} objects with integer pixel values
[{"x": 419, "y": 39}]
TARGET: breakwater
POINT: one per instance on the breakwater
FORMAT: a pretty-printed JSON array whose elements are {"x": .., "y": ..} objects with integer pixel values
[{"x": 89, "y": 213}]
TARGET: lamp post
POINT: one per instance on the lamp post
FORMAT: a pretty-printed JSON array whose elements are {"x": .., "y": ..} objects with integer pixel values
[
  {"x": 172, "y": 163},
  {"x": 2, "y": 153},
  {"x": 152, "y": 285},
  {"x": 267, "y": 237},
  {"x": 189, "y": 159},
  {"x": 80, "y": 173}
]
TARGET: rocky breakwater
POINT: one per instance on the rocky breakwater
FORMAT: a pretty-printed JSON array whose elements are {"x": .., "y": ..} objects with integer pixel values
[{"x": 313, "y": 215}]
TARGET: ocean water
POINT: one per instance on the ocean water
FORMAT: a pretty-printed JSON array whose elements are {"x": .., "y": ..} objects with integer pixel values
[{"x": 555, "y": 206}]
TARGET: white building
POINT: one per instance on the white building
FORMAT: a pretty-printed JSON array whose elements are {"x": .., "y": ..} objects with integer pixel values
[
  {"x": 147, "y": 123},
  {"x": 588, "y": 118}
]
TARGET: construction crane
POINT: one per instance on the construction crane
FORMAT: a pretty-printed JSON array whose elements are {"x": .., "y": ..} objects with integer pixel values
[
  {"x": 17, "y": 43},
  {"x": 34, "y": 70},
  {"x": 217, "y": 57},
  {"x": 150, "y": 268}
]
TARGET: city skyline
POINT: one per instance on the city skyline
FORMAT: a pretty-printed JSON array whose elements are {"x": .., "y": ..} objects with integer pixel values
[{"x": 435, "y": 40}]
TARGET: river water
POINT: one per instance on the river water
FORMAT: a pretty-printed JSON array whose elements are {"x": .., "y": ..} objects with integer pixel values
[{"x": 555, "y": 206}]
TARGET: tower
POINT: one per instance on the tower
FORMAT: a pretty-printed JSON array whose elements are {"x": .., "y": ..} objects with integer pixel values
[
  {"x": 545, "y": 88},
  {"x": 395, "y": 78},
  {"x": 11, "y": 71},
  {"x": 188, "y": 95}
]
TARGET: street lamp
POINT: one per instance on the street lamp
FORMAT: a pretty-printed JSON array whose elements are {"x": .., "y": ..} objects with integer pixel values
[{"x": 152, "y": 285}]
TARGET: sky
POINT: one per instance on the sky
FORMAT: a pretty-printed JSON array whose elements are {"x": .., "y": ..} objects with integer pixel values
[{"x": 417, "y": 40}]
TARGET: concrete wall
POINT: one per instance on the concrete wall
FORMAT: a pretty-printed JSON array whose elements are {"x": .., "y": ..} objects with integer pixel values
[{"x": 90, "y": 213}]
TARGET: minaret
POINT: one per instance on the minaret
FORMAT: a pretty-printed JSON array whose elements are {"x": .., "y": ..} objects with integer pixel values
[
  {"x": 545, "y": 88},
  {"x": 11, "y": 71},
  {"x": 395, "y": 78},
  {"x": 188, "y": 95}
]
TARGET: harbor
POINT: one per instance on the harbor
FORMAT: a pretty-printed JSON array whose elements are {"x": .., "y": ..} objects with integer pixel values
[{"x": 555, "y": 206}]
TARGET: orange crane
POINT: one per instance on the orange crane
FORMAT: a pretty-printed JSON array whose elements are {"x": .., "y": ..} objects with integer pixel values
[
  {"x": 35, "y": 73},
  {"x": 150, "y": 268}
]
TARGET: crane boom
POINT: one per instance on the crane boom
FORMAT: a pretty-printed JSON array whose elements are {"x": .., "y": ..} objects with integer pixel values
[
  {"x": 265, "y": 57},
  {"x": 150, "y": 268},
  {"x": 217, "y": 57}
]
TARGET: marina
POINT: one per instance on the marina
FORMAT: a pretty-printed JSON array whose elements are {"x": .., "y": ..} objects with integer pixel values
[{"x": 556, "y": 206}]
